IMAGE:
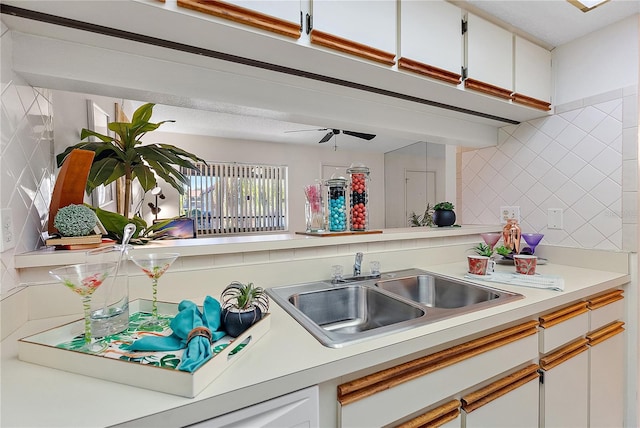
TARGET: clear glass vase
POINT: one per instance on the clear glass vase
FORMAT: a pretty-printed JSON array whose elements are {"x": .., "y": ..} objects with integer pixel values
[{"x": 314, "y": 208}]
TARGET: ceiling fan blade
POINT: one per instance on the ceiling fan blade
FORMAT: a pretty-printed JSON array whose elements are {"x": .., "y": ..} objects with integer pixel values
[
  {"x": 307, "y": 130},
  {"x": 326, "y": 137},
  {"x": 360, "y": 135}
]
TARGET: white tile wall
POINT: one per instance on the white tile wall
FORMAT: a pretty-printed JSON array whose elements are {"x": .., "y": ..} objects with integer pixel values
[
  {"x": 26, "y": 160},
  {"x": 583, "y": 159}
]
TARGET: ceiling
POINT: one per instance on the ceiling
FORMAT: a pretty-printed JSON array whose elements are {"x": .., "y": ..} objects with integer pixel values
[{"x": 550, "y": 23}]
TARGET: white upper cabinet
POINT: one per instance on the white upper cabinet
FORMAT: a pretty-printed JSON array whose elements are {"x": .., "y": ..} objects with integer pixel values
[
  {"x": 431, "y": 37},
  {"x": 359, "y": 27},
  {"x": 489, "y": 57},
  {"x": 532, "y": 70}
]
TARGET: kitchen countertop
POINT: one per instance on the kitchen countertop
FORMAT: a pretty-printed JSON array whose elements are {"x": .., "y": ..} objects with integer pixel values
[{"x": 286, "y": 359}]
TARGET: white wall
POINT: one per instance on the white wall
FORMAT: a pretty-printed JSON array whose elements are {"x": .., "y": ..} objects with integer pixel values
[
  {"x": 26, "y": 169},
  {"x": 597, "y": 63}
]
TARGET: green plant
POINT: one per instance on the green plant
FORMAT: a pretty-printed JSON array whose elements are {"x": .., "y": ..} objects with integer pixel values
[
  {"x": 242, "y": 297},
  {"x": 426, "y": 220},
  {"x": 114, "y": 224},
  {"x": 483, "y": 250},
  {"x": 75, "y": 220},
  {"x": 443, "y": 206},
  {"x": 125, "y": 156},
  {"x": 502, "y": 250}
]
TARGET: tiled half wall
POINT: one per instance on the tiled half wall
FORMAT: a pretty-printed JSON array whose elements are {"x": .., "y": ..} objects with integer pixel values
[{"x": 582, "y": 159}]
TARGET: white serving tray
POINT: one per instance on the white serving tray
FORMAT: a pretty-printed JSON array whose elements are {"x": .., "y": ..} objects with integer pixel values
[{"x": 42, "y": 349}]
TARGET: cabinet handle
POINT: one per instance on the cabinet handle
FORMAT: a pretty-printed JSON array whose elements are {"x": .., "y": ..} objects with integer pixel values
[
  {"x": 497, "y": 389},
  {"x": 530, "y": 102},
  {"x": 487, "y": 88},
  {"x": 244, "y": 16},
  {"x": 429, "y": 71},
  {"x": 605, "y": 299},
  {"x": 564, "y": 314},
  {"x": 564, "y": 354},
  {"x": 436, "y": 417},
  {"x": 366, "y": 386},
  {"x": 605, "y": 333},
  {"x": 354, "y": 48}
]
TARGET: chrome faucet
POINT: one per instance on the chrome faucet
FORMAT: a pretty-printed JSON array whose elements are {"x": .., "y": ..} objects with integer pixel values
[{"x": 357, "y": 266}]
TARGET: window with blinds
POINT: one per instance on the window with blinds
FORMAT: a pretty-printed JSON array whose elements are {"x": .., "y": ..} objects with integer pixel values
[{"x": 233, "y": 198}]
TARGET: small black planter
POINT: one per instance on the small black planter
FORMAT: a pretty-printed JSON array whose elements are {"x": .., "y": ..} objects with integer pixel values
[
  {"x": 443, "y": 218},
  {"x": 235, "y": 323}
]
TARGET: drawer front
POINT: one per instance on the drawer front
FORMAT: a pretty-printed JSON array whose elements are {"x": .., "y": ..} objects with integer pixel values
[
  {"x": 605, "y": 315},
  {"x": 564, "y": 332},
  {"x": 407, "y": 398}
]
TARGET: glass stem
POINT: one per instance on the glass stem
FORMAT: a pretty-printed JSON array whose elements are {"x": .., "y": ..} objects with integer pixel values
[
  {"x": 154, "y": 308},
  {"x": 86, "y": 305}
]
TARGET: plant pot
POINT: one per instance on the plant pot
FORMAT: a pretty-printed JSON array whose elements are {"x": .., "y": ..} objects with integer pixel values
[
  {"x": 236, "y": 322},
  {"x": 443, "y": 218}
]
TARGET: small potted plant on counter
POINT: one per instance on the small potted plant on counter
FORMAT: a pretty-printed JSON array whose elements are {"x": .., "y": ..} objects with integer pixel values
[
  {"x": 443, "y": 214},
  {"x": 483, "y": 250},
  {"x": 242, "y": 306}
]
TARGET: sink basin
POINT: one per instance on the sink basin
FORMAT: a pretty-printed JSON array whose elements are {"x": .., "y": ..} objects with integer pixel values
[
  {"x": 345, "y": 313},
  {"x": 441, "y": 292},
  {"x": 353, "y": 309}
]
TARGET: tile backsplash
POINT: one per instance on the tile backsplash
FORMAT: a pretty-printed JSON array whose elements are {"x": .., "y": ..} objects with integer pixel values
[
  {"x": 26, "y": 161},
  {"x": 582, "y": 159}
]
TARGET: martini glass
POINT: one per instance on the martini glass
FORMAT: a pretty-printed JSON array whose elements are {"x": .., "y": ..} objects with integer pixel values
[
  {"x": 154, "y": 266},
  {"x": 532, "y": 240},
  {"x": 491, "y": 239},
  {"x": 84, "y": 279}
]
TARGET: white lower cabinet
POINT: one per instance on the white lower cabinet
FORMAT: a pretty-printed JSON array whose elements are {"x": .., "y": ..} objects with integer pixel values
[{"x": 298, "y": 409}]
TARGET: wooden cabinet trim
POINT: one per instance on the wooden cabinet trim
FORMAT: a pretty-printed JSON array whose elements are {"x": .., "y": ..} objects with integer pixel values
[
  {"x": 563, "y": 354},
  {"x": 435, "y": 417},
  {"x": 366, "y": 386},
  {"x": 429, "y": 71},
  {"x": 477, "y": 399},
  {"x": 605, "y": 333},
  {"x": 605, "y": 299},
  {"x": 563, "y": 314},
  {"x": 354, "y": 48},
  {"x": 244, "y": 16},
  {"x": 487, "y": 88},
  {"x": 531, "y": 102}
]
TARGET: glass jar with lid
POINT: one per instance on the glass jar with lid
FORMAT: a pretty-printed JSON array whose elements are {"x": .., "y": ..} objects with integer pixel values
[
  {"x": 358, "y": 184},
  {"x": 337, "y": 204}
]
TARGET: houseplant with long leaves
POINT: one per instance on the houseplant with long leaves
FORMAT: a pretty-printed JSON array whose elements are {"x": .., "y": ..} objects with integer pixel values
[{"x": 124, "y": 155}]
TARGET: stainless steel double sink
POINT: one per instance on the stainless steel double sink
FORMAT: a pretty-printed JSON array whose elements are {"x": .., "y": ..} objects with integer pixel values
[{"x": 363, "y": 308}]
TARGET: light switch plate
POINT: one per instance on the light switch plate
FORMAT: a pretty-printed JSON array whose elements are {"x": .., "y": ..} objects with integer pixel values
[
  {"x": 508, "y": 213},
  {"x": 554, "y": 218}
]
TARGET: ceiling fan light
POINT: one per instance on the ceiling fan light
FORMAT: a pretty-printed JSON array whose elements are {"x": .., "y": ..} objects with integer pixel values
[{"x": 587, "y": 5}]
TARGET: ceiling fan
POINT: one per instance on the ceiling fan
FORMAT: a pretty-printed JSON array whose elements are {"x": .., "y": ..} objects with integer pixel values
[{"x": 332, "y": 132}]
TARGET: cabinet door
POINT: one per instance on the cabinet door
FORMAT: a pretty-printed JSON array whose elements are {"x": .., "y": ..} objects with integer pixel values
[
  {"x": 606, "y": 375},
  {"x": 368, "y": 24},
  {"x": 564, "y": 394},
  {"x": 517, "y": 408},
  {"x": 489, "y": 56},
  {"x": 300, "y": 408},
  {"x": 430, "y": 35},
  {"x": 532, "y": 70}
]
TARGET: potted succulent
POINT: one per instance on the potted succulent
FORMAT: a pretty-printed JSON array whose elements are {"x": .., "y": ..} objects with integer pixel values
[
  {"x": 242, "y": 306},
  {"x": 443, "y": 214},
  {"x": 483, "y": 250}
]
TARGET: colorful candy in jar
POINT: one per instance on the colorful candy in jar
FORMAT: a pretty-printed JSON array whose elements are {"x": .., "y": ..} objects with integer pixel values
[
  {"x": 359, "y": 198},
  {"x": 337, "y": 204}
]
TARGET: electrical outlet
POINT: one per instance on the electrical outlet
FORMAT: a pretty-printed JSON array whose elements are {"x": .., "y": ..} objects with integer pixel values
[
  {"x": 7, "y": 237},
  {"x": 554, "y": 218},
  {"x": 508, "y": 213}
]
